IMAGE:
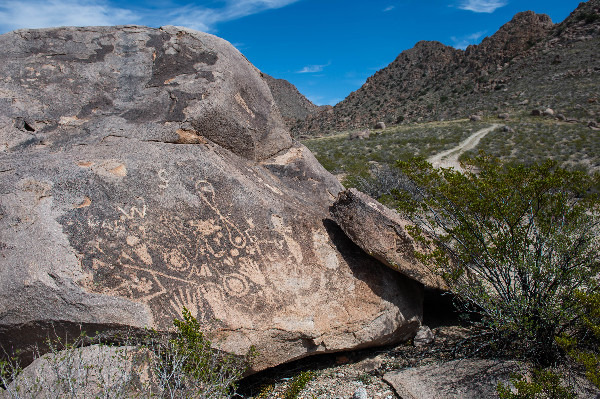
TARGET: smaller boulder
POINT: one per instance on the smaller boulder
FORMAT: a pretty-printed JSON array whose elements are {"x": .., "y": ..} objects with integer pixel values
[
  {"x": 536, "y": 112},
  {"x": 466, "y": 379},
  {"x": 380, "y": 125},
  {"x": 381, "y": 232},
  {"x": 475, "y": 118},
  {"x": 548, "y": 112},
  {"x": 85, "y": 372},
  {"x": 561, "y": 117},
  {"x": 507, "y": 129},
  {"x": 503, "y": 116},
  {"x": 424, "y": 336},
  {"x": 370, "y": 365}
]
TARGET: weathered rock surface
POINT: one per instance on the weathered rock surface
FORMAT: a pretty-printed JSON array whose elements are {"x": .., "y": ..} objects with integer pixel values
[
  {"x": 143, "y": 170},
  {"x": 88, "y": 372},
  {"x": 458, "y": 379},
  {"x": 381, "y": 232}
]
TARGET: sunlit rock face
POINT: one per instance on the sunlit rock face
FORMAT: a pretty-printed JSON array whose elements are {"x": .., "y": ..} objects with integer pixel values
[{"x": 147, "y": 170}]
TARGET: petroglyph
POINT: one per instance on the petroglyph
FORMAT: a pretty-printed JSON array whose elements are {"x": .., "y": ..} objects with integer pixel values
[
  {"x": 196, "y": 257},
  {"x": 133, "y": 212},
  {"x": 242, "y": 103},
  {"x": 162, "y": 175},
  {"x": 84, "y": 204},
  {"x": 287, "y": 233},
  {"x": 324, "y": 251},
  {"x": 107, "y": 168}
]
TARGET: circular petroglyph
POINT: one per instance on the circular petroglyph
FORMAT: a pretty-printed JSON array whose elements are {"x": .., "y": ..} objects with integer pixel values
[
  {"x": 236, "y": 284},
  {"x": 175, "y": 260}
]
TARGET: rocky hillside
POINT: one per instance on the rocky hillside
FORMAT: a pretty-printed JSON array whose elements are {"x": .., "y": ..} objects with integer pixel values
[
  {"x": 294, "y": 107},
  {"x": 529, "y": 62}
]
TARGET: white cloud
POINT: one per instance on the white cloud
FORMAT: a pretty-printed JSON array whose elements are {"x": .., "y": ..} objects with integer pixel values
[
  {"x": 16, "y": 14},
  {"x": 203, "y": 18},
  {"x": 463, "y": 41},
  {"x": 313, "y": 68},
  {"x": 487, "y": 6},
  {"x": 389, "y": 8}
]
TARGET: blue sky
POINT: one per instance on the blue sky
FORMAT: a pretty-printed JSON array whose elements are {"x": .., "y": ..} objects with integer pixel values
[{"x": 327, "y": 48}]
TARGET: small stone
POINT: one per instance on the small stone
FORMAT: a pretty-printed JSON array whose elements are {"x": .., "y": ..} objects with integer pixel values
[
  {"x": 474, "y": 118},
  {"x": 503, "y": 116},
  {"x": 424, "y": 336},
  {"x": 561, "y": 117},
  {"x": 360, "y": 393},
  {"x": 360, "y": 135},
  {"x": 342, "y": 359},
  {"x": 507, "y": 129},
  {"x": 370, "y": 365},
  {"x": 380, "y": 125},
  {"x": 536, "y": 112},
  {"x": 549, "y": 112}
]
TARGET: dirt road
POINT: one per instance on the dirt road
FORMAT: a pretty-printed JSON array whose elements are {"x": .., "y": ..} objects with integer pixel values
[{"x": 449, "y": 158}]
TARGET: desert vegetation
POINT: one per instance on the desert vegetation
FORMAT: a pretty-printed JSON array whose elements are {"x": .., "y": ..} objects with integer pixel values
[
  {"x": 514, "y": 242},
  {"x": 150, "y": 365},
  {"x": 536, "y": 139},
  {"x": 516, "y": 235},
  {"x": 357, "y": 160}
]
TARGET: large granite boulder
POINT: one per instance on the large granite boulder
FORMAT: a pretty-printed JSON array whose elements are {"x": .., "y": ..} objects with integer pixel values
[
  {"x": 382, "y": 233},
  {"x": 143, "y": 170}
]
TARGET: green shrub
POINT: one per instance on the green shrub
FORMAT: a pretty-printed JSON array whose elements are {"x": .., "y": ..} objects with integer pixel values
[
  {"x": 187, "y": 366},
  {"x": 544, "y": 384},
  {"x": 513, "y": 242},
  {"x": 181, "y": 366},
  {"x": 297, "y": 384},
  {"x": 586, "y": 349}
]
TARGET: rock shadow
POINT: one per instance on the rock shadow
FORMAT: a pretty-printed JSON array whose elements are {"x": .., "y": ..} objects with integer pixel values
[{"x": 384, "y": 282}]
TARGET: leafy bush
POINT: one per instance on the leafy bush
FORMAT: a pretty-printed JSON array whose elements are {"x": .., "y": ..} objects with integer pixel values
[
  {"x": 586, "y": 349},
  {"x": 513, "y": 242},
  {"x": 182, "y": 366},
  {"x": 297, "y": 384},
  {"x": 544, "y": 384},
  {"x": 186, "y": 366},
  {"x": 382, "y": 182}
]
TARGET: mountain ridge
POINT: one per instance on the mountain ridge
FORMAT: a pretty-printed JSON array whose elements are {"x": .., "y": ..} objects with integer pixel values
[{"x": 432, "y": 81}]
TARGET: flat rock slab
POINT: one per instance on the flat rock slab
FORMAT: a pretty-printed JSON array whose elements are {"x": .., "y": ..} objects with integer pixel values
[
  {"x": 381, "y": 232},
  {"x": 146, "y": 170},
  {"x": 458, "y": 379}
]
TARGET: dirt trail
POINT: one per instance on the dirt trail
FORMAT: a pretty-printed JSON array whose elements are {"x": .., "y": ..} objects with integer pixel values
[{"x": 449, "y": 158}]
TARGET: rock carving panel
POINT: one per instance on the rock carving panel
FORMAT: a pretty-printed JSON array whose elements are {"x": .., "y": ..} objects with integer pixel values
[{"x": 199, "y": 258}]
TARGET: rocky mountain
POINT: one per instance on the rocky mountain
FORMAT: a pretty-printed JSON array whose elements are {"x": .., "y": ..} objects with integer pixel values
[
  {"x": 529, "y": 62},
  {"x": 147, "y": 170},
  {"x": 294, "y": 106}
]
